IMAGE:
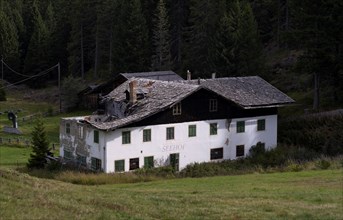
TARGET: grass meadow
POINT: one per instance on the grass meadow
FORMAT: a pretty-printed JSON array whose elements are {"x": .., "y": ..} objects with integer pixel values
[{"x": 292, "y": 195}]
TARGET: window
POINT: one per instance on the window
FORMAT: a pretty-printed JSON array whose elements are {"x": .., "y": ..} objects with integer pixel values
[
  {"x": 96, "y": 136},
  {"x": 80, "y": 131},
  {"x": 68, "y": 154},
  {"x": 260, "y": 144},
  {"x": 81, "y": 160},
  {"x": 192, "y": 130},
  {"x": 170, "y": 133},
  {"x": 67, "y": 128},
  {"x": 240, "y": 126},
  {"x": 146, "y": 135},
  {"x": 134, "y": 163},
  {"x": 213, "y": 128},
  {"x": 148, "y": 162},
  {"x": 95, "y": 163},
  {"x": 213, "y": 105},
  {"x": 177, "y": 109},
  {"x": 216, "y": 153},
  {"x": 126, "y": 137},
  {"x": 239, "y": 150},
  {"x": 261, "y": 124},
  {"x": 174, "y": 161},
  {"x": 119, "y": 165}
]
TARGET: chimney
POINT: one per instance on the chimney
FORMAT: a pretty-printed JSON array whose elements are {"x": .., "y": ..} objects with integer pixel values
[
  {"x": 213, "y": 75},
  {"x": 189, "y": 76},
  {"x": 133, "y": 92},
  {"x": 199, "y": 81}
]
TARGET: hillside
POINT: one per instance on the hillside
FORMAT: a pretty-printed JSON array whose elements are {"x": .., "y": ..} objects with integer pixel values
[{"x": 304, "y": 195}]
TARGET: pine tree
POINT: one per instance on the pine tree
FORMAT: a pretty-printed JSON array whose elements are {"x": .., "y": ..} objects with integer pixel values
[
  {"x": 38, "y": 53},
  {"x": 204, "y": 16},
  {"x": 317, "y": 30},
  {"x": 131, "y": 39},
  {"x": 40, "y": 146},
  {"x": 161, "y": 59},
  {"x": 250, "y": 57},
  {"x": 9, "y": 39},
  {"x": 237, "y": 47}
]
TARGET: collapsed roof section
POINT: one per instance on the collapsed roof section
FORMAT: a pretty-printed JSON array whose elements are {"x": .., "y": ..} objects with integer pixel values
[{"x": 246, "y": 92}]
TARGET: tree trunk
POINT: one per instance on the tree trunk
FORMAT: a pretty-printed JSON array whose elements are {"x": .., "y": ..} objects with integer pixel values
[
  {"x": 82, "y": 65},
  {"x": 96, "y": 54},
  {"x": 316, "y": 92}
]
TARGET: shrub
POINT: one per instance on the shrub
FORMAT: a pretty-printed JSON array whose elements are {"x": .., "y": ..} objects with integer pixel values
[
  {"x": 323, "y": 164},
  {"x": 321, "y": 133}
]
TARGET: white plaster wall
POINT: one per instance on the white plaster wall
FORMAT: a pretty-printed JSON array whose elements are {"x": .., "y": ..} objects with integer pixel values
[{"x": 191, "y": 149}]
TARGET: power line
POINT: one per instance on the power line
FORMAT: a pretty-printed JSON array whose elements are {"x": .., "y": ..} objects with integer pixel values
[
  {"x": 39, "y": 74},
  {"x": 20, "y": 74}
]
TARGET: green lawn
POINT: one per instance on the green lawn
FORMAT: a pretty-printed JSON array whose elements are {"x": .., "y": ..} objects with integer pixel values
[
  {"x": 16, "y": 101},
  {"x": 296, "y": 195},
  {"x": 14, "y": 155}
]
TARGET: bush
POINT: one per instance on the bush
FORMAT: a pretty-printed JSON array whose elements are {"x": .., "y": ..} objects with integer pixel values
[
  {"x": 165, "y": 171},
  {"x": 321, "y": 134},
  {"x": 323, "y": 164}
]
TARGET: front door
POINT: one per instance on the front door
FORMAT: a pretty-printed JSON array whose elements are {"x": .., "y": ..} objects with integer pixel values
[{"x": 174, "y": 161}]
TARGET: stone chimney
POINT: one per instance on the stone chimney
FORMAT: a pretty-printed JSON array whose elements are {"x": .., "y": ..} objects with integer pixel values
[
  {"x": 213, "y": 75},
  {"x": 133, "y": 92},
  {"x": 189, "y": 75}
]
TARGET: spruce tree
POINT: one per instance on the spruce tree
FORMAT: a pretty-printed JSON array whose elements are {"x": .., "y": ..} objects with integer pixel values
[
  {"x": 131, "y": 39},
  {"x": 40, "y": 146},
  {"x": 250, "y": 57},
  {"x": 161, "y": 59}
]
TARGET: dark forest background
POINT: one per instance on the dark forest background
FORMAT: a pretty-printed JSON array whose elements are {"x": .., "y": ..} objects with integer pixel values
[{"x": 294, "y": 43}]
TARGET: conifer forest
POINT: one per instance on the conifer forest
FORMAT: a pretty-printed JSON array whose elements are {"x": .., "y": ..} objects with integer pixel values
[{"x": 96, "y": 39}]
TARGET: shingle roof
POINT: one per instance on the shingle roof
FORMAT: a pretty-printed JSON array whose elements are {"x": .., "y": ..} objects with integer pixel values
[
  {"x": 158, "y": 75},
  {"x": 248, "y": 92},
  {"x": 162, "y": 95}
]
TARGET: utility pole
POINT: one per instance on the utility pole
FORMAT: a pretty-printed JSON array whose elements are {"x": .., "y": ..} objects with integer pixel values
[{"x": 59, "y": 85}]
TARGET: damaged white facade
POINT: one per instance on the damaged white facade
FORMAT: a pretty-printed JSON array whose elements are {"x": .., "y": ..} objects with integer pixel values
[{"x": 110, "y": 149}]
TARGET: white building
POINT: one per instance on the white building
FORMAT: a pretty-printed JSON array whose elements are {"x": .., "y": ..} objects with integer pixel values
[{"x": 150, "y": 123}]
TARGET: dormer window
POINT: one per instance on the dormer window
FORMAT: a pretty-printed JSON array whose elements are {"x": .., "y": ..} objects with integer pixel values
[
  {"x": 213, "y": 105},
  {"x": 177, "y": 109}
]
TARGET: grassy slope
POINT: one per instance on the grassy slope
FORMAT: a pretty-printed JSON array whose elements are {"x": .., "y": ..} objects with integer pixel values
[
  {"x": 304, "y": 195},
  {"x": 16, "y": 101}
]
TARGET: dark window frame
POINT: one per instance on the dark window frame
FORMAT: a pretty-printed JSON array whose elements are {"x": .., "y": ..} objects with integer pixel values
[
  {"x": 96, "y": 136},
  {"x": 117, "y": 166},
  {"x": 95, "y": 164},
  {"x": 177, "y": 109},
  {"x": 81, "y": 159},
  {"x": 213, "y": 128},
  {"x": 126, "y": 137},
  {"x": 149, "y": 162},
  {"x": 134, "y": 163},
  {"x": 217, "y": 153},
  {"x": 192, "y": 130},
  {"x": 146, "y": 135},
  {"x": 68, "y": 155},
  {"x": 67, "y": 128},
  {"x": 240, "y": 150},
  {"x": 240, "y": 126},
  {"x": 261, "y": 124},
  {"x": 170, "y": 133},
  {"x": 213, "y": 105}
]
